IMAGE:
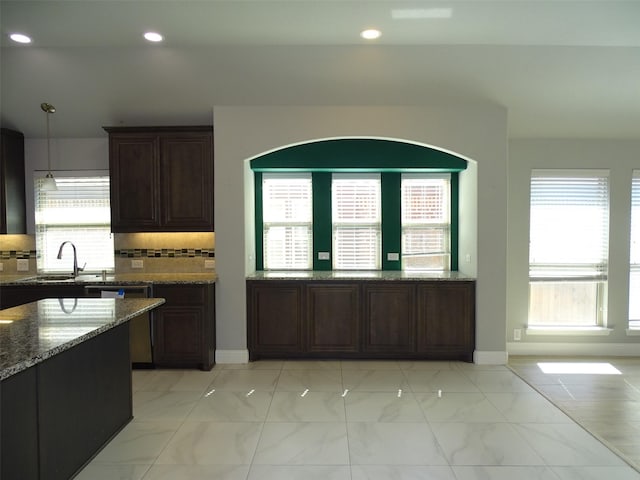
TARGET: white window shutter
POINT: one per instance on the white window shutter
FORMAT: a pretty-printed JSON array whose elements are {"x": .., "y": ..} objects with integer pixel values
[
  {"x": 79, "y": 212},
  {"x": 356, "y": 217},
  {"x": 287, "y": 221}
]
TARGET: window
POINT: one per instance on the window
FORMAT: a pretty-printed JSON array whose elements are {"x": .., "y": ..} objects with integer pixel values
[
  {"x": 426, "y": 222},
  {"x": 287, "y": 221},
  {"x": 634, "y": 275},
  {"x": 78, "y": 211},
  {"x": 568, "y": 256},
  {"x": 356, "y": 221}
]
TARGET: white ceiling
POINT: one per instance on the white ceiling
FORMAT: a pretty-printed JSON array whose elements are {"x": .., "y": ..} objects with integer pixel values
[{"x": 562, "y": 68}]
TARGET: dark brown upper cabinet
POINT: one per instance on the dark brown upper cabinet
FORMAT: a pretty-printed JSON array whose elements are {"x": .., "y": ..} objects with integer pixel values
[
  {"x": 161, "y": 179},
  {"x": 13, "y": 217}
]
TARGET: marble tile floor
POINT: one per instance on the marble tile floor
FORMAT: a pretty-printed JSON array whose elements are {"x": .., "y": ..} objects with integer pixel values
[
  {"x": 600, "y": 394},
  {"x": 349, "y": 420}
]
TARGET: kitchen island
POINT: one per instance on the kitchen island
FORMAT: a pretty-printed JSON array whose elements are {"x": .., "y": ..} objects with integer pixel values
[
  {"x": 361, "y": 315},
  {"x": 65, "y": 382}
]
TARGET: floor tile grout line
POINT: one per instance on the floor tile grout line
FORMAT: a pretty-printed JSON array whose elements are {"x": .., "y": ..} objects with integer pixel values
[{"x": 607, "y": 444}]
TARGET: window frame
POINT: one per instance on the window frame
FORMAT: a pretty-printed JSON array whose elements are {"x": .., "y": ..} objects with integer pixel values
[
  {"x": 63, "y": 265},
  {"x": 577, "y": 273}
]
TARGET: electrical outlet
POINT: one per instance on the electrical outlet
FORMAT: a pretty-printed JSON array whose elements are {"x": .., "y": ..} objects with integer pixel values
[
  {"x": 209, "y": 264},
  {"x": 137, "y": 264},
  {"x": 467, "y": 258},
  {"x": 1, "y": 267},
  {"x": 393, "y": 257},
  {"x": 22, "y": 264},
  {"x": 517, "y": 334},
  {"x": 323, "y": 256}
]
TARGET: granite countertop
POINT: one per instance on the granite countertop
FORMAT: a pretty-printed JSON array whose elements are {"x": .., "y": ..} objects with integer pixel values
[
  {"x": 113, "y": 279},
  {"x": 385, "y": 275},
  {"x": 31, "y": 333}
]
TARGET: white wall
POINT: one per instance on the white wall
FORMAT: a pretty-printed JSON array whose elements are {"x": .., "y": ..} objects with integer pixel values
[
  {"x": 66, "y": 154},
  {"x": 620, "y": 158},
  {"x": 475, "y": 132}
]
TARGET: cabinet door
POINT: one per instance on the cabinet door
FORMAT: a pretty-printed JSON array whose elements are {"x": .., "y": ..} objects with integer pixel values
[
  {"x": 179, "y": 326},
  {"x": 446, "y": 319},
  {"x": 186, "y": 166},
  {"x": 389, "y": 318},
  {"x": 135, "y": 180},
  {"x": 333, "y": 317},
  {"x": 12, "y": 198},
  {"x": 275, "y": 317}
]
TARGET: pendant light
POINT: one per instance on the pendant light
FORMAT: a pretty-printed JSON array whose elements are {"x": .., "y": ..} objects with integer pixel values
[{"x": 49, "y": 182}]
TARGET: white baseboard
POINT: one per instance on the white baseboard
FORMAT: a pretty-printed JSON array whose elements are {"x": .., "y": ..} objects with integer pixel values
[
  {"x": 490, "y": 358},
  {"x": 573, "y": 349},
  {"x": 232, "y": 356}
]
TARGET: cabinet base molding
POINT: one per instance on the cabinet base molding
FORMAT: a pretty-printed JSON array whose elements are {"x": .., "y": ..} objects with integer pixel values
[{"x": 232, "y": 356}]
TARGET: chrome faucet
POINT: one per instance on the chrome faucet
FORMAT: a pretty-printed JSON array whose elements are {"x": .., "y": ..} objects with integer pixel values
[{"x": 76, "y": 269}]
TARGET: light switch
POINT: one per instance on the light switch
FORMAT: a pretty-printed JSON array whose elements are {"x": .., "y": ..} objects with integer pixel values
[
  {"x": 393, "y": 257},
  {"x": 22, "y": 264},
  {"x": 209, "y": 264},
  {"x": 323, "y": 256}
]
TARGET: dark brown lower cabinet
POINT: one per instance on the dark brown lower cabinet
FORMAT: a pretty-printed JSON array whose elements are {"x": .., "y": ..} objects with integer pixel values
[
  {"x": 56, "y": 415},
  {"x": 390, "y": 320},
  {"x": 333, "y": 317},
  {"x": 276, "y": 309},
  {"x": 361, "y": 319},
  {"x": 443, "y": 311},
  {"x": 184, "y": 327}
]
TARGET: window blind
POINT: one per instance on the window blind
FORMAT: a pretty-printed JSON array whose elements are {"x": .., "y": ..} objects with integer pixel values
[
  {"x": 425, "y": 203},
  {"x": 634, "y": 254},
  {"x": 287, "y": 221},
  {"x": 569, "y": 226},
  {"x": 79, "y": 212},
  {"x": 356, "y": 219}
]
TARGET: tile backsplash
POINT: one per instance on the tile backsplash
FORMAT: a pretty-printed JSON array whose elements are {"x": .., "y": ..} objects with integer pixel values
[{"x": 155, "y": 252}]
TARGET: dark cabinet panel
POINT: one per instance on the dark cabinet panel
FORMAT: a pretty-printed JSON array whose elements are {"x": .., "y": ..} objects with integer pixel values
[
  {"x": 135, "y": 174},
  {"x": 389, "y": 317},
  {"x": 275, "y": 317},
  {"x": 162, "y": 178},
  {"x": 19, "y": 422},
  {"x": 333, "y": 317},
  {"x": 187, "y": 182},
  {"x": 363, "y": 319},
  {"x": 446, "y": 319},
  {"x": 12, "y": 197},
  {"x": 184, "y": 327}
]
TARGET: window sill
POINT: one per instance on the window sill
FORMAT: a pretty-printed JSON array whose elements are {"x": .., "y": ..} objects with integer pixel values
[
  {"x": 591, "y": 331},
  {"x": 633, "y": 332}
]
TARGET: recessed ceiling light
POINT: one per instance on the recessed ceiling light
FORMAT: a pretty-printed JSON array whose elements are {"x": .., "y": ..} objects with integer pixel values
[
  {"x": 413, "y": 13},
  {"x": 370, "y": 34},
  {"x": 20, "y": 38},
  {"x": 153, "y": 37}
]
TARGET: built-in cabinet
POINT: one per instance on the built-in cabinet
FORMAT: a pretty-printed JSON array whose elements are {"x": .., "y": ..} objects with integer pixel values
[
  {"x": 184, "y": 327},
  {"x": 12, "y": 177},
  {"x": 161, "y": 178},
  {"x": 361, "y": 319}
]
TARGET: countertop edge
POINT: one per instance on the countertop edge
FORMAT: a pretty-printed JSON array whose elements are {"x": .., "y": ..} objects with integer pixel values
[
  {"x": 373, "y": 276},
  {"x": 36, "y": 359}
]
